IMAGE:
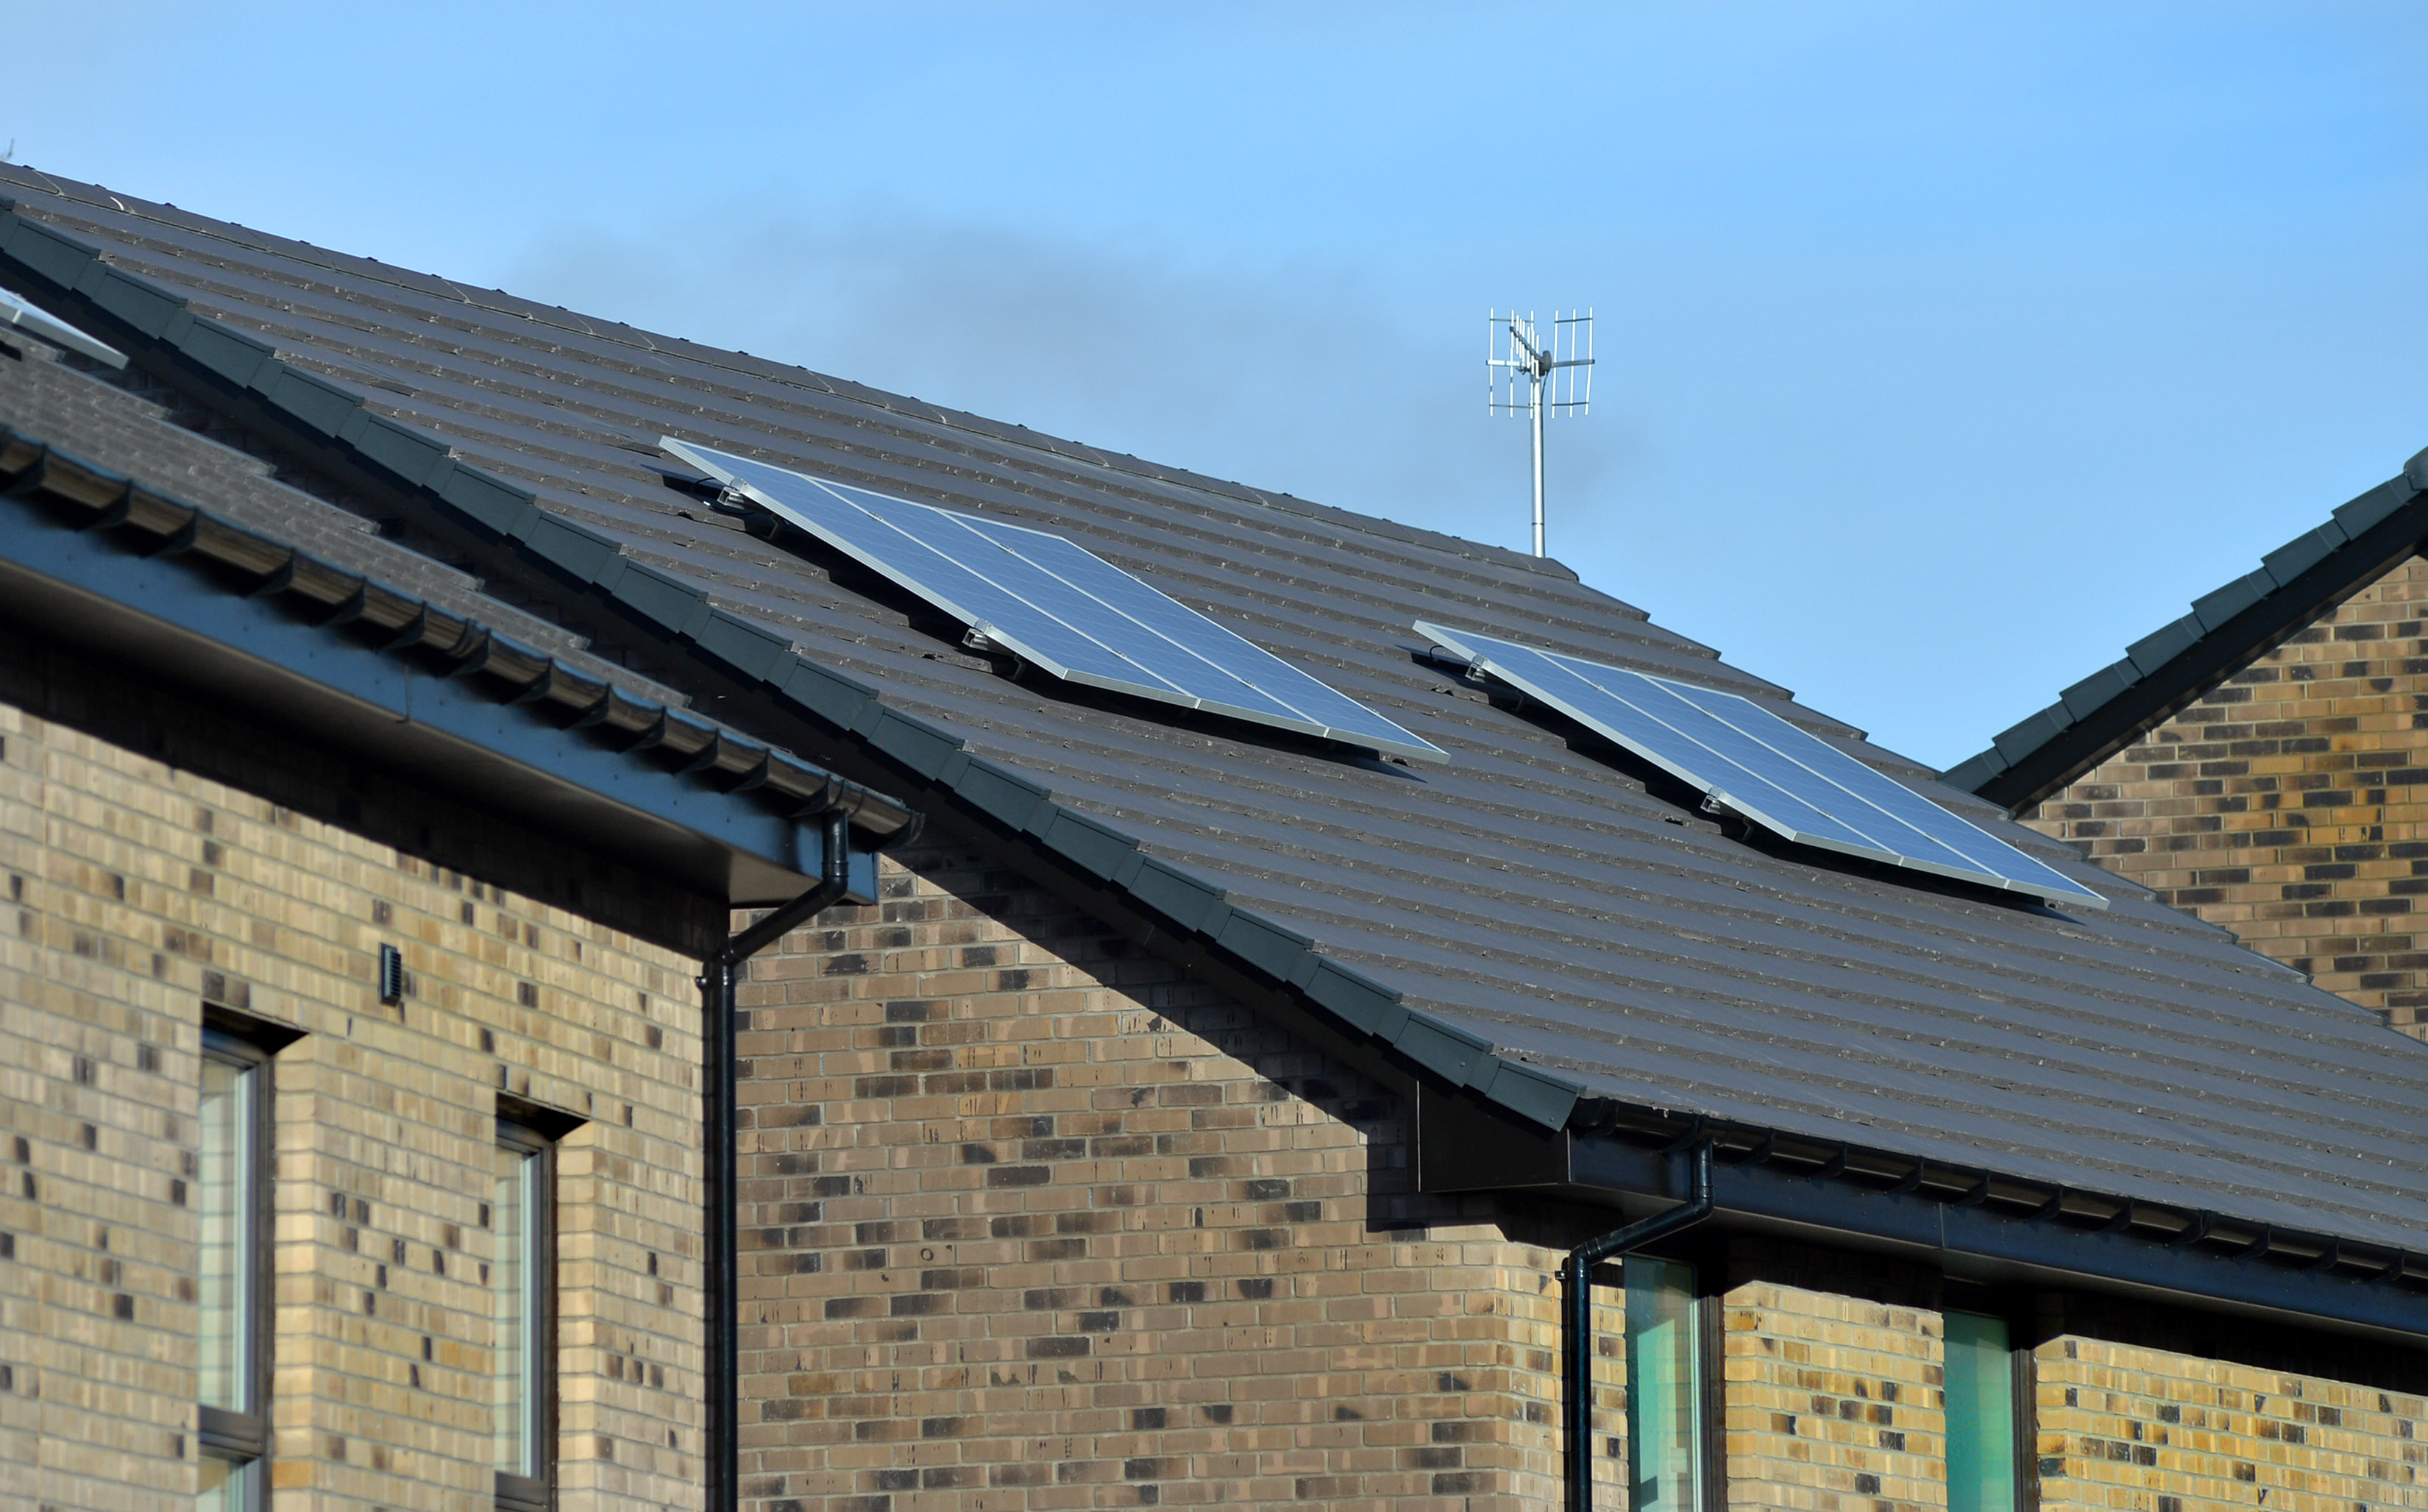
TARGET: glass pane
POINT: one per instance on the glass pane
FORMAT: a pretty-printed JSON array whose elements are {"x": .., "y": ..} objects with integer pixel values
[
  {"x": 224, "y": 1485},
  {"x": 512, "y": 1280},
  {"x": 226, "y": 1197},
  {"x": 1980, "y": 1415},
  {"x": 1664, "y": 1386}
]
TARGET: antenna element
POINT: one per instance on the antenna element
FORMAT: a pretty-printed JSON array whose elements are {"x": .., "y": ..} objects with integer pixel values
[{"x": 1554, "y": 362}]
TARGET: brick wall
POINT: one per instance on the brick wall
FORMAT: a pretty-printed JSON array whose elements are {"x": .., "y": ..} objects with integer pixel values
[
  {"x": 1032, "y": 1222},
  {"x": 1029, "y": 1222},
  {"x": 2153, "y": 1430},
  {"x": 1834, "y": 1401},
  {"x": 2291, "y": 804},
  {"x": 134, "y": 889}
]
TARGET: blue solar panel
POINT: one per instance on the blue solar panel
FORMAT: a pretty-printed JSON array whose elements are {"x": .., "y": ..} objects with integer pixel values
[
  {"x": 1058, "y": 606},
  {"x": 1785, "y": 778}
]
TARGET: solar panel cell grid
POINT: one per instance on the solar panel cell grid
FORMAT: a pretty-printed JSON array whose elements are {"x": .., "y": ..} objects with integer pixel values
[
  {"x": 1786, "y": 778},
  {"x": 1169, "y": 643},
  {"x": 1065, "y": 610},
  {"x": 915, "y": 553}
]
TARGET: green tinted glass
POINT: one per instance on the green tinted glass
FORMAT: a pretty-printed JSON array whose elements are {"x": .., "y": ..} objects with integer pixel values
[
  {"x": 1980, "y": 1415},
  {"x": 224, "y": 1195},
  {"x": 1664, "y": 1386},
  {"x": 513, "y": 1276},
  {"x": 227, "y": 1487}
]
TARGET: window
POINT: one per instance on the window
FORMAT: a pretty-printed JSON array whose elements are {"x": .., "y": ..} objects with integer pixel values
[
  {"x": 232, "y": 1192},
  {"x": 1981, "y": 1380},
  {"x": 522, "y": 1291},
  {"x": 1665, "y": 1387}
]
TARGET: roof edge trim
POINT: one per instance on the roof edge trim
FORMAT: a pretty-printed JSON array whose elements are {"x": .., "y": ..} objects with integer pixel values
[
  {"x": 431, "y": 685},
  {"x": 2184, "y": 661}
]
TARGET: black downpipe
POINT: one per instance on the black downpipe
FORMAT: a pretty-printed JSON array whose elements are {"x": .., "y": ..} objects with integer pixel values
[
  {"x": 1577, "y": 1336},
  {"x": 719, "y": 975}
]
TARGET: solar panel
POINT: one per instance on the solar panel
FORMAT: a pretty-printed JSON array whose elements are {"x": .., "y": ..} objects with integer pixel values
[
  {"x": 1786, "y": 779},
  {"x": 1058, "y": 606},
  {"x": 41, "y": 323}
]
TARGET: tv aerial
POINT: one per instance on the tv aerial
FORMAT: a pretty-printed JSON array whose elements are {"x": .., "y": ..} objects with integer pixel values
[{"x": 1539, "y": 370}]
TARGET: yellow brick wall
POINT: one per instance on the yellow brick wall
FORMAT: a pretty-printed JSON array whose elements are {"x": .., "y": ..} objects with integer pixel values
[
  {"x": 1029, "y": 1222},
  {"x": 1833, "y": 1401},
  {"x": 2123, "y": 1427},
  {"x": 131, "y": 889},
  {"x": 2291, "y": 804}
]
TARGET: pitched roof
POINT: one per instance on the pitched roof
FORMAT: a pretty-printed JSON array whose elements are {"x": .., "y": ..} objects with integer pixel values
[
  {"x": 184, "y": 557},
  {"x": 1541, "y": 921},
  {"x": 2226, "y": 631}
]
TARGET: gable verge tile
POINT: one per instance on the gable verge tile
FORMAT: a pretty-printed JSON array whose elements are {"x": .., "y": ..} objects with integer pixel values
[
  {"x": 580, "y": 554},
  {"x": 2369, "y": 508},
  {"x": 832, "y": 696},
  {"x": 1529, "y": 1093},
  {"x": 52, "y": 254},
  {"x": 309, "y": 398},
  {"x": 1096, "y": 848},
  {"x": 144, "y": 306},
  {"x": 1259, "y": 941},
  {"x": 228, "y": 354},
  {"x": 2216, "y": 609},
  {"x": 741, "y": 645},
  {"x": 1352, "y": 998},
  {"x": 1186, "y": 900},
  {"x": 2163, "y": 644},
  {"x": 405, "y": 453},
  {"x": 2096, "y": 689},
  {"x": 1447, "y": 1051},
  {"x": 2303, "y": 552},
  {"x": 997, "y": 791},
  {"x": 915, "y": 742},
  {"x": 2022, "y": 739}
]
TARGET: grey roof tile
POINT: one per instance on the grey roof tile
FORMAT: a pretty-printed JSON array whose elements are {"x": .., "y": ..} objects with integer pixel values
[{"x": 1530, "y": 897}]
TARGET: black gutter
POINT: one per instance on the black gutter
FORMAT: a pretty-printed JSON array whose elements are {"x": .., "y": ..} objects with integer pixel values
[
  {"x": 2225, "y": 631},
  {"x": 1966, "y": 1220},
  {"x": 397, "y": 682},
  {"x": 1577, "y": 1333},
  {"x": 719, "y": 979}
]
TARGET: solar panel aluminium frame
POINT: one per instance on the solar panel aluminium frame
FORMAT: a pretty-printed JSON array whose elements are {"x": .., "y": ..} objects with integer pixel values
[
  {"x": 1366, "y": 729},
  {"x": 16, "y": 310},
  {"x": 1473, "y": 647}
]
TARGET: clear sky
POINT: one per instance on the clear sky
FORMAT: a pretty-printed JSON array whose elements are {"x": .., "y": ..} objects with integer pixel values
[{"x": 1945, "y": 348}]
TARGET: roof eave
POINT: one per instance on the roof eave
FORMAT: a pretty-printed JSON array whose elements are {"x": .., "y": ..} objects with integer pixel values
[
  {"x": 141, "y": 580},
  {"x": 1970, "y": 1223}
]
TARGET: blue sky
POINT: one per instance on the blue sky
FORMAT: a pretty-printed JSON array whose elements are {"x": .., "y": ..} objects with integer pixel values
[{"x": 1945, "y": 349}]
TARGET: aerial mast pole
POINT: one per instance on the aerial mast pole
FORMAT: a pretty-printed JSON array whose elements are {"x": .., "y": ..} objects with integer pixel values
[
  {"x": 1518, "y": 348},
  {"x": 1535, "y": 400}
]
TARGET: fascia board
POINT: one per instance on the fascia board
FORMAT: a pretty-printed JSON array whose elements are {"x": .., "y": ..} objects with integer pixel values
[{"x": 1978, "y": 1244}]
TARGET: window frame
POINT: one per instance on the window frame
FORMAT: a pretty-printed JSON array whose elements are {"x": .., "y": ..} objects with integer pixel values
[
  {"x": 241, "y": 1439},
  {"x": 2018, "y": 1376},
  {"x": 536, "y": 1133},
  {"x": 1702, "y": 1316}
]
